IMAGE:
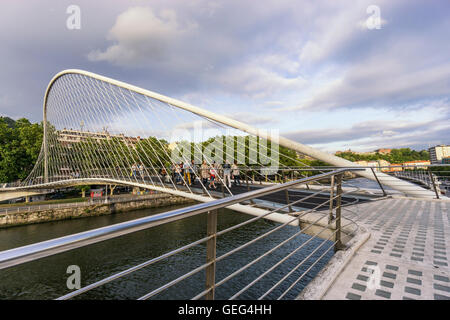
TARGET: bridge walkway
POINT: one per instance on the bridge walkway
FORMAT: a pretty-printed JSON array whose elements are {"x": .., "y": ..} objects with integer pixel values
[{"x": 406, "y": 256}]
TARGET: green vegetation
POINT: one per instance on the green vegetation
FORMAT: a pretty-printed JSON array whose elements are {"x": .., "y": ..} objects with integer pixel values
[
  {"x": 396, "y": 156},
  {"x": 441, "y": 171},
  {"x": 83, "y": 189},
  {"x": 20, "y": 144},
  {"x": 261, "y": 151},
  {"x": 150, "y": 152}
]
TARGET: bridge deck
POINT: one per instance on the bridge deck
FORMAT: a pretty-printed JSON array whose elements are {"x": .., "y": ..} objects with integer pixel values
[{"x": 407, "y": 251}]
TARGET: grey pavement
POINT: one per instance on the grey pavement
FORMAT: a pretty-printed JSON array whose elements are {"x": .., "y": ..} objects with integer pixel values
[{"x": 406, "y": 256}]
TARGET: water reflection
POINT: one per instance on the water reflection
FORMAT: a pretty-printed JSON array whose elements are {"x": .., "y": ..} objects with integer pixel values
[{"x": 46, "y": 278}]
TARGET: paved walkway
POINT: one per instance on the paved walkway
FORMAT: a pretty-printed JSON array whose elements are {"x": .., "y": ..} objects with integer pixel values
[
  {"x": 31, "y": 207},
  {"x": 406, "y": 256}
]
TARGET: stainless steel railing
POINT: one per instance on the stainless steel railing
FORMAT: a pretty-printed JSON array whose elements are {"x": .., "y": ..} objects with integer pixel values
[
  {"x": 435, "y": 177},
  {"x": 324, "y": 221}
]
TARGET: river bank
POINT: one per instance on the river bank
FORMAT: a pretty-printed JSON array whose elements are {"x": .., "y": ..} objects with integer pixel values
[{"x": 83, "y": 210}]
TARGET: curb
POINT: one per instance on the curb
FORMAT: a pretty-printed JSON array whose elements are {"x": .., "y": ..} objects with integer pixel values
[{"x": 319, "y": 286}]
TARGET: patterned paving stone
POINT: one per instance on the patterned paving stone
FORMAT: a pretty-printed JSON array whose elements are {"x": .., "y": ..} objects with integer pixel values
[
  {"x": 412, "y": 290},
  {"x": 406, "y": 256},
  {"x": 382, "y": 293},
  {"x": 359, "y": 287},
  {"x": 441, "y": 278},
  {"x": 413, "y": 281},
  {"x": 352, "y": 296}
]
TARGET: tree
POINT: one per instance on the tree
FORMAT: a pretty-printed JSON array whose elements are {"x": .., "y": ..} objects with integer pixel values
[
  {"x": 83, "y": 189},
  {"x": 9, "y": 122},
  {"x": 20, "y": 145},
  {"x": 396, "y": 156}
]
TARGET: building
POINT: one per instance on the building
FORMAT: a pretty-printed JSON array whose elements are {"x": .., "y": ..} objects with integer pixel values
[
  {"x": 446, "y": 160},
  {"x": 383, "y": 165},
  {"x": 383, "y": 151},
  {"x": 422, "y": 164},
  {"x": 379, "y": 165},
  {"x": 361, "y": 163},
  {"x": 68, "y": 137},
  {"x": 437, "y": 153},
  {"x": 355, "y": 152},
  {"x": 345, "y": 151},
  {"x": 395, "y": 167}
]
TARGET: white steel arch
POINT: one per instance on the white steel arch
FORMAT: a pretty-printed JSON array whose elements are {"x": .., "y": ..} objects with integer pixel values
[{"x": 395, "y": 183}]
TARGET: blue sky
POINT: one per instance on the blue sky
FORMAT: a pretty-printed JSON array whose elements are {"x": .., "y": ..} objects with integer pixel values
[{"x": 311, "y": 69}]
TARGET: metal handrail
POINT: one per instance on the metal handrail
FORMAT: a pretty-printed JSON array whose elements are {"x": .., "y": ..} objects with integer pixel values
[
  {"x": 209, "y": 264},
  {"x": 31, "y": 252}
]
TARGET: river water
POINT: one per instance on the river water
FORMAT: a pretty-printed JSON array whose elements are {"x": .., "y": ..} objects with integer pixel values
[{"x": 46, "y": 278}]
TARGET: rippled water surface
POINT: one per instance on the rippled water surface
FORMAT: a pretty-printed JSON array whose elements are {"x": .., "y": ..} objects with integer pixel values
[{"x": 46, "y": 278}]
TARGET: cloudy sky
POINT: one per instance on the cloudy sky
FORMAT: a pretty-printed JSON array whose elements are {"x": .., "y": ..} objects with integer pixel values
[{"x": 316, "y": 70}]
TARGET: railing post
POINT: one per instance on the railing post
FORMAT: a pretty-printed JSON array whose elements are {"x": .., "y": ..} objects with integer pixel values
[
  {"x": 246, "y": 181},
  {"x": 248, "y": 187},
  {"x": 330, "y": 216},
  {"x": 338, "y": 245},
  {"x": 211, "y": 254},
  {"x": 434, "y": 184},
  {"x": 381, "y": 186},
  {"x": 287, "y": 200}
]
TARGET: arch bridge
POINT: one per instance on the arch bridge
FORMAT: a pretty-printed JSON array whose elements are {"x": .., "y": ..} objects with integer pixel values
[{"x": 99, "y": 130}]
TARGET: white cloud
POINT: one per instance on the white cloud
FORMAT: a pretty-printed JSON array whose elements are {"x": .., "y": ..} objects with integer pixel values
[
  {"x": 388, "y": 133},
  {"x": 235, "y": 57},
  {"x": 166, "y": 42},
  {"x": 141, "y": 36},
  {"x": 254, "y": 118},
  {"x": 256, "y": 81},
  {"x": 384, "y": 79},
  {"x": 368, "y": 24},
  {"x": 332, "y": 28},
  {"x": 372, "y": 134}
]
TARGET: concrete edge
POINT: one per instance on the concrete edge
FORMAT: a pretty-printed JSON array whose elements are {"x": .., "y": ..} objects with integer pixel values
[
  {"x": 322, "y": 282},
  {"x": 442, "y": 198}
]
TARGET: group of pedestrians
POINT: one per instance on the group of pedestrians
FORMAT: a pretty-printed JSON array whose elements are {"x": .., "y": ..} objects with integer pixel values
[
  {"x": 183, "y": 173},
  {"x": 210, "y": 174},
  {"x": 137, "y": 171}
]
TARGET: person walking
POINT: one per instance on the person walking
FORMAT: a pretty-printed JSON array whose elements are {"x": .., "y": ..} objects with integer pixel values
[
  {"x": 219, "y": 172},
  {"x": 174, "y": 172},
  {"x": 134, "y": 170},
  {"x": 227, "y": 174},
  {"x": 178, "y": 176},
  {"x": 212, "y": 176},
  {"x": 187, "y": 173},
  {"x": 236, "y": 174},
  {"x": 141, "y": 171},
  {"x": 164, "y": 175},
  {"x": 204, "y": 172},
  {"x": 193, "y": 171}
]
